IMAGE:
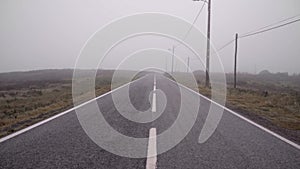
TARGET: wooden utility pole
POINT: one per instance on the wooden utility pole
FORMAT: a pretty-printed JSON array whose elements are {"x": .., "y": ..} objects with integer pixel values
[
  {"x": 208, "y": 45},
  {"x": 235, "y": 57}
]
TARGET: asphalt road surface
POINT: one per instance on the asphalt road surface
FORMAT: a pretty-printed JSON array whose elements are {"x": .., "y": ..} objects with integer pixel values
[{"x": 62, "y": 143}]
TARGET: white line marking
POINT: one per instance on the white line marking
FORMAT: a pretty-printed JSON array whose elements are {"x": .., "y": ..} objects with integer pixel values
[
  {"x": 61, "y": 114},
  {"x": 154, "y": 96},
  {"x": 242, "y": 117},
  {"x": 154, "y": 103},
  {"x": 154, "y": 83},
  {"x": 152, "y": 150}
]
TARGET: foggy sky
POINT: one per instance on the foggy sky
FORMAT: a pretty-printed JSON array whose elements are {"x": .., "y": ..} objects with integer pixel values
[{"x": 39, "y": 34}]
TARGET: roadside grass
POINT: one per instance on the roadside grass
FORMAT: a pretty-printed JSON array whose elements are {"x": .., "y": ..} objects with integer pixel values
[
  {"x": 23, "y": 107},
  {"x": 280, "y": 108}
]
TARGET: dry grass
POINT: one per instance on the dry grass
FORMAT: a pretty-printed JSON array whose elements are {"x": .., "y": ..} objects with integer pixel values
[
  {"x": 280, "y": 108},
  {"x": 23, "y": 107},
  {"x": 29, "y": 97}
]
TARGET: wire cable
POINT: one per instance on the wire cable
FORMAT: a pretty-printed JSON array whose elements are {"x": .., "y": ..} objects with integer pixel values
[
  {"x": 223, "y": 47},
  {"x": 273, "y": 24},
  {"x": 260, "y": 30},
  {"x": 269, "y": 29},
  {"x": 193, "y": 23}
]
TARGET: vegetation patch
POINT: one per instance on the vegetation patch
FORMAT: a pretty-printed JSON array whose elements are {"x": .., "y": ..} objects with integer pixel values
[
  {"x": 271, "y": 100},
  {"x": 29, "y": 97}
]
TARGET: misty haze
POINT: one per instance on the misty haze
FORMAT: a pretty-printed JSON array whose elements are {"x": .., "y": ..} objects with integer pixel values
[{"x": 150, "y": 84}]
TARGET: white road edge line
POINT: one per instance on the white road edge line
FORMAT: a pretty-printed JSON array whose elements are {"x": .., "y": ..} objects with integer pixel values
[
  {"x": 242, "y": 117},
  {"x": 61, "y": 114},
  {"x": 152, "y": 150}
]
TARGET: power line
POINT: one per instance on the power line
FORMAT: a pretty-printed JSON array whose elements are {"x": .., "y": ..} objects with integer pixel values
[
  {"x": 265, "y": 30},
  {"x": 273, "y": 24},
  {"x": 225, "y": 45},
  {"x": 196, "y": 18},
  {"x": 193, "y": 23},
  {"x": 260, "y": 31}
]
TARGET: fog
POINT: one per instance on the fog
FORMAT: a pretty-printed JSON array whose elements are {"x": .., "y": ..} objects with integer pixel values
[{"x": 50, "y": 34}]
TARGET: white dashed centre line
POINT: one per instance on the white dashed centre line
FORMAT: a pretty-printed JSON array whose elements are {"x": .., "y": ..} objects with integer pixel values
[
  {"x": 154, "y": 96},
  {"x": 151, "y": 154},
  {"x": 152, "y": 150}
]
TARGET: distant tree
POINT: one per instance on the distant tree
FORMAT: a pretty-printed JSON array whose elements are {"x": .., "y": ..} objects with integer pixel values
[{"x": 265, "y": 72}]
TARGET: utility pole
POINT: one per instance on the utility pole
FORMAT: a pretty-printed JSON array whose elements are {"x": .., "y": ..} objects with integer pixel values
[
  {"x": 208, "y": 44},
  {"x": 188, "y": 64},
  {"x": 235, "y": 57}
]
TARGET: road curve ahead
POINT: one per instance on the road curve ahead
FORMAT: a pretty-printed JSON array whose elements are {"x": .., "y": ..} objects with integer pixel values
[{"x": 62, "y": 143}]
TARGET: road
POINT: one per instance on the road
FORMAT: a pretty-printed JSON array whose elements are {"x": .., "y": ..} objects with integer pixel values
[{"x": 62, "y": 143}]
